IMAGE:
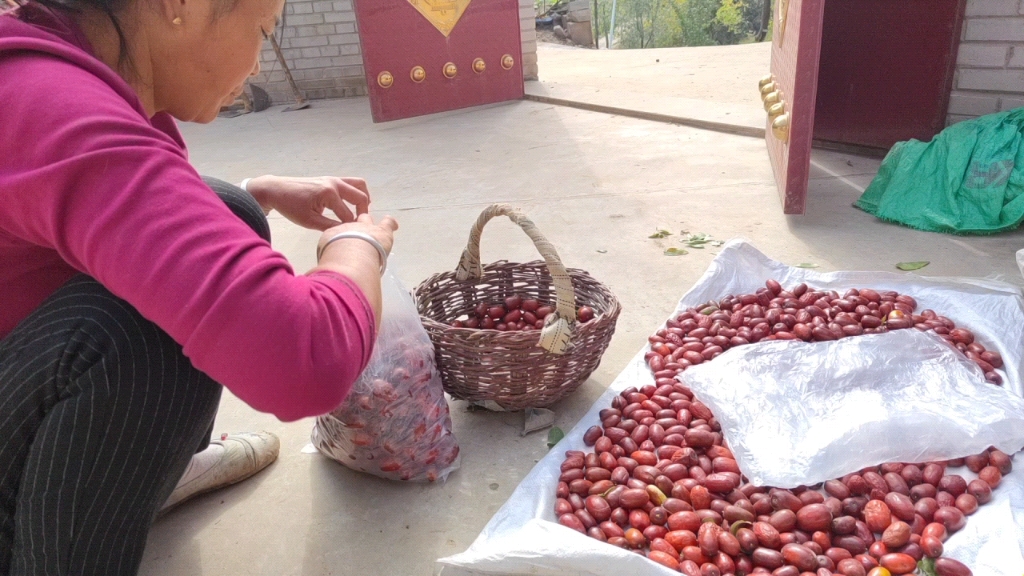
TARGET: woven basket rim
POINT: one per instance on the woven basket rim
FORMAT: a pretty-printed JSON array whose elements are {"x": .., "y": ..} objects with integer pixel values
[{"x": 575, "y": 273}]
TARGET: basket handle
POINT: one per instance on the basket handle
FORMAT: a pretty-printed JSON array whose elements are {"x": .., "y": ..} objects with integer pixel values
[{"x": 556, "y": 335}]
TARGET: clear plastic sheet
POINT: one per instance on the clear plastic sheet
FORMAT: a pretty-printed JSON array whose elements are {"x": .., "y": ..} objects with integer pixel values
[
  {"x": 836, "y": 407},
  {"x": 395, "y": 422},
  {"x": 523, "y": 537}
]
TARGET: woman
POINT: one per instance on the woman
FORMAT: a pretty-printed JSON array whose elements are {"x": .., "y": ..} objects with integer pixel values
[{"x": 130, "y": 291}]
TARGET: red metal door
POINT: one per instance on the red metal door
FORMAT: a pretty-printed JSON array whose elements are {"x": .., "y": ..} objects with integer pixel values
[
  {"x": 426, "y": 56},
  {"x": 789, "y": 96},
  {"x": 886, "y": 70}
]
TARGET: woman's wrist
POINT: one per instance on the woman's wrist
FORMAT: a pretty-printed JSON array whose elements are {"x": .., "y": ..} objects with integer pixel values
[
  {"x": 350, "y": 253},
  {"x": 257, "y": 189},
  {"x": 382, "y": 255}
]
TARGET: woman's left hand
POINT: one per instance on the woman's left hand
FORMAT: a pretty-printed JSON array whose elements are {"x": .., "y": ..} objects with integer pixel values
[{"x": 303, "y": 200}]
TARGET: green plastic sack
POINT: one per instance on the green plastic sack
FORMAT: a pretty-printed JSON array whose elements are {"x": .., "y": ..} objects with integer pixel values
[{"x": 967, "y": 180}]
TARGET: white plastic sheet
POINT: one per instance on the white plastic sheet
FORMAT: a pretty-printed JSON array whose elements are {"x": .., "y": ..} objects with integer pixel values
[
  {"x": 523, "y": 537},
  {"x": 838, "y": 407}
]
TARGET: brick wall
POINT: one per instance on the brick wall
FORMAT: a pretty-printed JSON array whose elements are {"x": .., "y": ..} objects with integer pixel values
[
  {"x": 321, "y": 46},
  {"x": 990, "y": 68},
  {"x": 528, "y": 30}
]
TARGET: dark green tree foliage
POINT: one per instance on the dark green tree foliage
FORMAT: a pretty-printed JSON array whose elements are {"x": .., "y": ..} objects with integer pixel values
[{"x": 663, "y": 23}]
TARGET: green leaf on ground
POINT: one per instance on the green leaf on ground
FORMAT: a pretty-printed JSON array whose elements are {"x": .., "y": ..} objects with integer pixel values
[
  {"x": 699, "y": 240},
  {"x": 806, "y": 265},
  {"x": 927, "y": 566},
  {"x": 908, "y": 266},
  {"x": 660, "y": 234},
  {"x": 675, "y": 252},
  {"x": 555, "y": 436}
]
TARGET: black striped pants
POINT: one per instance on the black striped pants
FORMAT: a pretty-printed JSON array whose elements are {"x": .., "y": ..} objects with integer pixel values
[{"x": 100, "y": 413}]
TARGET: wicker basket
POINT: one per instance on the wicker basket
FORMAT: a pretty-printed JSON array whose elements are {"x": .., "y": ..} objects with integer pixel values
[{"x": 516, "y": 370}]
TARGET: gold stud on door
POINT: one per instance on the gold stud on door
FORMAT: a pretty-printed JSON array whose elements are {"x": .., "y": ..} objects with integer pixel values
[
  {"x": 385, "y": 79},
  {"x": 450, "y": 70},
  {"x": 479, "y": 65},
  {"x": 418, "y": 74},
  {"x": 780, "y": 128},
  {"x": 507, "y": 61}
]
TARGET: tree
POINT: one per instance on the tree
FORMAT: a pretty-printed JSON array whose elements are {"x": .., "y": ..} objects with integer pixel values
[
  {"x": 662, "y": 23},
  {"x": 639, "y": 22},
  {"x": 694, "y": 18},
  {"x": 751, "y": 11},
  {"x": 728, "y": 26}
]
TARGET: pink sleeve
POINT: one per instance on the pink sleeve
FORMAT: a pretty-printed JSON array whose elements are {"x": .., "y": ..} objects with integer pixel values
[{"x": 118, "y": 200}]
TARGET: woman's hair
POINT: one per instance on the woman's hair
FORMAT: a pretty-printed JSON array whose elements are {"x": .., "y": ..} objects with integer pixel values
[{"x": 111, "y": 8}]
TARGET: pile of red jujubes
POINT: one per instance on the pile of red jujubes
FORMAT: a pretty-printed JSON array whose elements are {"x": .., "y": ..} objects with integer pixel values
[
  {"x": 516, "y": 314},
  {"x": 700, "y": 334},
  {"x": 662, "y": 482}
]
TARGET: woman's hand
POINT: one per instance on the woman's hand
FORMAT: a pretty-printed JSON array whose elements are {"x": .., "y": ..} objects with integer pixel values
[{"x": 303, "y": 200}]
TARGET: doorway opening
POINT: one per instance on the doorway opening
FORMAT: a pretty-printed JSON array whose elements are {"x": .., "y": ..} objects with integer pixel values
[{"x": 885, "y": 71}]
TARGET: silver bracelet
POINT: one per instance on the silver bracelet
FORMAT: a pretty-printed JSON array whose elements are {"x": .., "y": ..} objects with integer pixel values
[{"x": 362, "y": 236}]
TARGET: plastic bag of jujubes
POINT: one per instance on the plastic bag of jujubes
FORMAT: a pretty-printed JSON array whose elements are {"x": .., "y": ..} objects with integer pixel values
[{"x": 395, "y": 421}]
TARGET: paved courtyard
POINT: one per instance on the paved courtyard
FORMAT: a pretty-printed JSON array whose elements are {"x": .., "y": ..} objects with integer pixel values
[
  {"x": 715, "y": 84},
  {"x": 598, "y": 186}
]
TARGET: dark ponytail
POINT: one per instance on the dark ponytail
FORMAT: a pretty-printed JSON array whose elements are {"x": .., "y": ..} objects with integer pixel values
[{"x": 111, "y": 8}]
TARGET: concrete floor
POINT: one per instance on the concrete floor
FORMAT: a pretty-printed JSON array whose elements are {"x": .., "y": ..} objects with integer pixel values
[
  {"x": 707, "y": 83},
  {"x": 598, "y": 186}
]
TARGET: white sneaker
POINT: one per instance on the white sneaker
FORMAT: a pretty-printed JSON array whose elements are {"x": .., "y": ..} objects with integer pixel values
[{"x": 227, "y": 461}]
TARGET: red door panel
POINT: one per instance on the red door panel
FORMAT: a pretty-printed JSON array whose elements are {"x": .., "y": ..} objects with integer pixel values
[
  {"x": 397, "y": 37},
  {"x": 790, "y": 127},
  {"x": 886, "y": 70}
]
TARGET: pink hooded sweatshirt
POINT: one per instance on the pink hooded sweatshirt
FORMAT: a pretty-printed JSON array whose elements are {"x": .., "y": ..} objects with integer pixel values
[{"x": 90, "y": 184}]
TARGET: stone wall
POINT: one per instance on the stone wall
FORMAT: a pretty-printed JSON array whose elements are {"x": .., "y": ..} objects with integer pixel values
[
  {"x": 528, "y": 30},
  {"x": 578, "y": 23},
  {"x": 321, "y": 45},
  {"x": 990, "y": 67}
]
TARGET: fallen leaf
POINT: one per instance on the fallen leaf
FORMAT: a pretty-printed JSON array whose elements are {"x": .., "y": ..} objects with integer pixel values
[
  {"x": 718, "y": 243},
  {"x": 555, "y": 436},
  {"x": 675, "y": 252},
  {"x": 908, "y": 266},
  {"x": 600, "y": 251},
  {"x": 806, "y": 265},
  {"x": 696, "y": 240},
  {"x": 660, "y": 234}
]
